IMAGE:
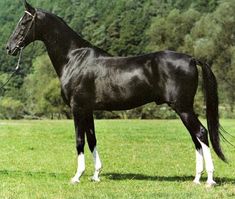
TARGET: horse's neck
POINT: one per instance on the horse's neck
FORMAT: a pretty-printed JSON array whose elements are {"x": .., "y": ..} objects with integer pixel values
[{"x": 60, "y": 41}]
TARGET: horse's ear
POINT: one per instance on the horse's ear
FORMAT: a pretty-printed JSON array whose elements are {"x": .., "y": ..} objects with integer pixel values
[{"x": 28, "y": 7}]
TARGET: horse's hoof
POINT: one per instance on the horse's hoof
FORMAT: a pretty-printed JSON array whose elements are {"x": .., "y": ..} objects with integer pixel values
[
  {"x": 95, "y": 179},
  {"x": 210, "y": 184},
  {"x": 74, "y": 181}
]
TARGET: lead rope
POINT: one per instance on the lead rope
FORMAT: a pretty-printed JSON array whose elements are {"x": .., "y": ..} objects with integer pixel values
[{"x": 17, "y": 68}]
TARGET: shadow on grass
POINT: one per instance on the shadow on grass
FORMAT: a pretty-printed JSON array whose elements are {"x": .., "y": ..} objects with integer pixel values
[
  {"x": 134, "y": 176},
  {"x": 115, "y": 176},
  {"x": 37, "y": 174}
]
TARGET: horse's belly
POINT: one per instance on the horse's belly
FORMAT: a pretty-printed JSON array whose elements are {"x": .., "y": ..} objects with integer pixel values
[
  {"x": 117, "y": 106},
  {"x": 123, "y": 98}
]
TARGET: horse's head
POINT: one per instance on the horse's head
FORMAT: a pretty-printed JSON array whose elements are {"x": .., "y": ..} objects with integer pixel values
[{"x": 24, "y": 32}]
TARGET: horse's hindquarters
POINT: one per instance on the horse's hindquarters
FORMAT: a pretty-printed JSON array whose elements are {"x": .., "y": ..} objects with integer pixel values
[{"x": 175, "y": 79}]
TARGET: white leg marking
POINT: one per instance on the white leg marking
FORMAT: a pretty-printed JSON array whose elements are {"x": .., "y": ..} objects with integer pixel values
[
  {"x": 80, "y": 169},
  {"x": 199, "y": 166},
  {"x": 208, "y": 163},
  {"x": 97, "y": 164}
]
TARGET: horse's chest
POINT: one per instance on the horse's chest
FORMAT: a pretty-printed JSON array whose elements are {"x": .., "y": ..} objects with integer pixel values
[{"x": 78, "y": 88}]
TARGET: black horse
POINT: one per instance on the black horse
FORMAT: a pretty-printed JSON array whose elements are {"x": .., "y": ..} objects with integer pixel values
[{"x": 91, "y": 79}]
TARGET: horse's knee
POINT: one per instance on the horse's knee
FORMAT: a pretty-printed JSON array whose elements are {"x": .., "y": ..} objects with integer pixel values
[{"x": 202, "y": 135}]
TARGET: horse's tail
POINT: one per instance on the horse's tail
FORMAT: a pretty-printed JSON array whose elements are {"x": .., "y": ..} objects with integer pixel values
[{"x": 212, "y": 114}]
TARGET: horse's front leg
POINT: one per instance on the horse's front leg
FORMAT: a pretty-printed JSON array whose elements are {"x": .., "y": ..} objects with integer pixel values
[
  {"x": 91, "y": 139},
  {"x": 80, "y": 127}
]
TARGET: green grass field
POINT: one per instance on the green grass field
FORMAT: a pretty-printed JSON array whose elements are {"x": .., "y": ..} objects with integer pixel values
[{"x": 141, "y": 159}]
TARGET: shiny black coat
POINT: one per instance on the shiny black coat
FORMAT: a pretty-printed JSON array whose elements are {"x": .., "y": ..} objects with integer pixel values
[{"x": 101, "y": 82}]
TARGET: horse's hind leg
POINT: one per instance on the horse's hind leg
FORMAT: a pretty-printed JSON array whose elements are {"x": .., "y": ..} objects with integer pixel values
[
  {"x": 91, "y": 139},
  {"x": 199, "y": 136}
]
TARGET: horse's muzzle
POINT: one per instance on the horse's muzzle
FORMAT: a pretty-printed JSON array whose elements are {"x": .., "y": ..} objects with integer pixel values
[{"x": 12, "y": 51}]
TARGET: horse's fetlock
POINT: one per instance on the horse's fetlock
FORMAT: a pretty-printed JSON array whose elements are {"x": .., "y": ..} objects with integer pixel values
[
  {"x": 80, "y": 147},
  {"x": 202, "y": 135}
]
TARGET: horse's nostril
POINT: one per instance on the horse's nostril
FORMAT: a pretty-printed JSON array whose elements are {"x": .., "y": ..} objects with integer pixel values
[{"x": 8, "y": 50}]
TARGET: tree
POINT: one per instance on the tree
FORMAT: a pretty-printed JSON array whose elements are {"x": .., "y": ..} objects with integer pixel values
[
  {"x": 201, "y": 28},
  {"x": 212, "y": 40},
  {"x": 10, "y": 108},
  {"x": 42, "y": 90},
  {"x": 169, "y": 32}
]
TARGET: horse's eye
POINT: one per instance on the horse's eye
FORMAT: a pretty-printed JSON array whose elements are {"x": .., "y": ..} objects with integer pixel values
[{"x": 23, "y": 23}]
